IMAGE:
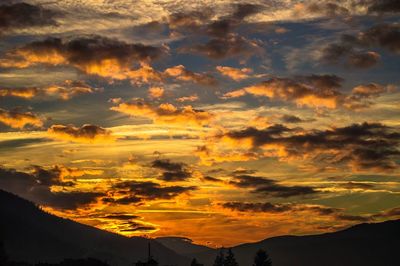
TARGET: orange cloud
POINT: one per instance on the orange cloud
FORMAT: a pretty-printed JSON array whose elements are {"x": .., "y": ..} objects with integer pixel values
[
  {"x": 181, "y": 73},
  {"x": 93, "y": 55},
  {"x": 156, "y": 92},
  {"x": 76, "y": 172},
  {"x": 16, "y": 119},
  {"x": 235, "y": 73},
  {"x": 313, "y": 91},
  {"x": 190, "y": 98},
  {"x": 166, "y": 113},
  {"x": 85, "y": 134},
  {"x": 64, "y": 91}
]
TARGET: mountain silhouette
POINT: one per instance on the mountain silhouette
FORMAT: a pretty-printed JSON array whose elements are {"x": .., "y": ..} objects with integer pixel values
[
  {"x": 182, "y": 245},
  {"x": 32, "y": 235},
  {"x": 373, "y": 244},
  {"x": 29, "y": 234}
]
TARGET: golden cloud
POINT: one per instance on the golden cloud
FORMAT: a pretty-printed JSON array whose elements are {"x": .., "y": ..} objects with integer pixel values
[
  {"x": 313, "y": 91},
  {"x": 166, "y": 113},
  {"x": 64, "y": 91},
  {"x": 181, "y": 73},
  {"x": 93, "y": 55},
  {"x": 156, "y": 92},
  {"x": 84, "y": 134},
  {"x": 17, "y": 119},
  {"x": 235, "y": 73}
]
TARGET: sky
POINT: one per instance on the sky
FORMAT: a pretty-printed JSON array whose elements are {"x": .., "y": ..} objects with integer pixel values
[{"x": 221, "y": 121}]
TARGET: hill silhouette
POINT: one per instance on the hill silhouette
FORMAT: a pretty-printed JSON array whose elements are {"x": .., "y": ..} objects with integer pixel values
[
  {"x": 182, "y": 245},
  {"x": 374, "y": 244},
  {"x": 32, "y": 235}
]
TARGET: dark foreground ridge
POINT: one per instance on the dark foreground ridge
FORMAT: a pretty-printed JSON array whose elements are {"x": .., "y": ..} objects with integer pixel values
[
  {"x": 28, "y": 234},
  {"x": 32, "y": 235}
]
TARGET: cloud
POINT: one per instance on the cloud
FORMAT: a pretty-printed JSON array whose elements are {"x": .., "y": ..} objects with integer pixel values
[
  {"x": 171, "y": 171},
  {"x": 181, "y": 73},
  {"x": 291, "y": 119},
  {"x": 135, "y": 192},
  {"x": 270, "y": 208},
  {"x": 85, "y": 134},
  {"x": 221, "y": 48},
  {"x": 165, "y": 113},
  {"x": 18, "y": 119},
  {"x": 270, "y": 187},
  {"x": 36, "y": 186},
  {"x": 328, "y": 9},
  {"x": 366, "y": 146},
  {"x": 347, "y": 50},
  {"x": 120, "y": 216},
  {"x": 256, "y": 207},
  {"x": 65, "y": 91},
  {"x": 312, "y": 91},
  {"x": 362, "y": 95},
  {"x": 156, "y": 92},
  {"x": 391, "y": 213},
  {"x": 334, "y": 54},
  {"x": 136, "y": 227},
  {"x": 191, "y": 98},
  {"x": 384, "y": 6},
  {"x": 93, "y": 55},
  {"x": 202, "y": 21},
  {"x": 23, "y": 15},
  {"x": 235, "y": 73}
]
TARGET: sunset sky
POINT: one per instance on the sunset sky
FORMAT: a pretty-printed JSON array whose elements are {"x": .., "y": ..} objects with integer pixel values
[{"x": 221, "y": 121}]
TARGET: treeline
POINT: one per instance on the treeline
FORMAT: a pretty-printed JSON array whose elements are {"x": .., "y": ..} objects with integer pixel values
[{"x": 261, "y": 258}]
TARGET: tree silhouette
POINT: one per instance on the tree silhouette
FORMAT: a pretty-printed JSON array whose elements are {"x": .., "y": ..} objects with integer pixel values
[
  {"x": 195, "y": 263},
  {"x": 219, "y": 260},
  {"x": 262, "y": 259},
  {"x": 3, "y": 254},
  {"x": 230, "y": 259}
]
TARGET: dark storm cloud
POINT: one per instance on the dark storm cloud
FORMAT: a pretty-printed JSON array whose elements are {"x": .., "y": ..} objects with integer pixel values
[
  {"x": 136, "y": 192},
  {"x": 36, "y": 186},
  {"x": 171, "y": 171},
  {"x": 23, "y": 15},
  {"x": 362, "y": 146},
  {"x": 270, "y": 187}
]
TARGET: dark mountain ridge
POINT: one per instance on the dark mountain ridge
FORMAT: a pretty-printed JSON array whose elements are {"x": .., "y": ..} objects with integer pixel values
[
  {"x": 368, "y": 244},
  {"x": 32, "y": 235}
]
